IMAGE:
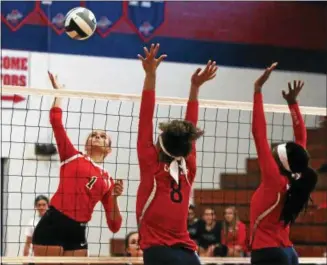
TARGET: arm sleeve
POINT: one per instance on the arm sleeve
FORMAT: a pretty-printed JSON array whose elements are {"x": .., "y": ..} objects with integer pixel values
[
  {"x": 269, "y": 171},
  {"x": 107, "y": 202},
  {"x": 65, "y": 147},
  {"x": 299, "y": 128},
  {"x": 146, "y": 151},
  {"x": 192, "y": 115}
]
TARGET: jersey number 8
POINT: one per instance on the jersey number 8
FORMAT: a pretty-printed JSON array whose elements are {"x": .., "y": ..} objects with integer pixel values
[{"x": 175, "y": 194}]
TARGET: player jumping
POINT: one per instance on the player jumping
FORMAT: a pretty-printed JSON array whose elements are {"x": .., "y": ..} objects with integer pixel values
[{"x": 167, "y": 171}]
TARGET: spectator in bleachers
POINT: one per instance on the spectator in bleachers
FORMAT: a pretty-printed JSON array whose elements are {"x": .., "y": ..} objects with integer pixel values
[
  {"x": 132, "y": 246},
  {"x": 192, "y": 222},
  {"x": 233, "y": 233},
  {"x": 41, "y": 204},
  {"x": 209, "y": 235}
]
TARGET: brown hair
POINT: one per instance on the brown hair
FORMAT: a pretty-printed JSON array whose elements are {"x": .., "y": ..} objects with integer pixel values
[
  {"x": 234, "y": 222},
  {"x": 178, "y": 137}
]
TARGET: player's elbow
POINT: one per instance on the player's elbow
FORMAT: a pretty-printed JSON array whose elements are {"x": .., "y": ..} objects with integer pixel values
[{"x": 115, "y": 225}]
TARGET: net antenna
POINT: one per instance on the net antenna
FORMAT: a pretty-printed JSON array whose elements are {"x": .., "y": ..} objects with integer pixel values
[{"x": 205, "y": 103}]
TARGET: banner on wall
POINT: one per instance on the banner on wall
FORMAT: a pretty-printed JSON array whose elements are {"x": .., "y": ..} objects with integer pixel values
[{"x": 15, "y": 71}]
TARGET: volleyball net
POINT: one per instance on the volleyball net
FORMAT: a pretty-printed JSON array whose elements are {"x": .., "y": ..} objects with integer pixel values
[{"x": 227, "y": 171}]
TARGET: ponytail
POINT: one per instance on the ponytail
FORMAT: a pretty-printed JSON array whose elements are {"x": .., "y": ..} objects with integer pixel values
[{"x": 298, "y": 195}]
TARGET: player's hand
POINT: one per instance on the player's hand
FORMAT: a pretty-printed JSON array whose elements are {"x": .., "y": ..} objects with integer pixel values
[
  {"x": 150, "y": 62},
  {"x": 293, "y": 92},
  {"x": 201, "y": 76},
  {"x": 264, "y": 77},
  {"x": 54, "y": 81},
  {"x": 118, "y": 187}
]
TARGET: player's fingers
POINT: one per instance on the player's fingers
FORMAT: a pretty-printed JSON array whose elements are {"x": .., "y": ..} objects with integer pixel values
[
  {"x": 161, "y": 58},
  {"x": 156, "y": 49},
  {"x": 197, "y": 71},
  {"x": 140, "y": 57},
  {"x": 152, "y": 50},
  {"x": 284, "y": 93},
  {"x": 146, "y": 51},
  {"x": 212, "y": 77},
  {"x": 289, "y": 87},
  {"x": 301, "y": 85}
]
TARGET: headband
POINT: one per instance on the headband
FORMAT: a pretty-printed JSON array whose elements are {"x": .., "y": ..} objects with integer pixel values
[
  {"x": 174, "y": 167},
  {"x": 282, "y": 154}
]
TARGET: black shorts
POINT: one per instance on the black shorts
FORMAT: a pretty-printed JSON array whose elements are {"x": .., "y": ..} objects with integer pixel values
[
  {"x": 56, "y": 229},
  {"x": 162, "y": 255},
  {"x": 269, "y": 256}
]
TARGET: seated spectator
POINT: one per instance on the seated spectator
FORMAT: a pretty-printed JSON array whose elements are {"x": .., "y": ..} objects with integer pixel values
[
  {"x": 209, "y": 235},
  {"x": 233, "y": 233},
  {"x": 132, "y": 247},
  {"x": 41, "y": 204},
  {"x": 192, "y": 222}
]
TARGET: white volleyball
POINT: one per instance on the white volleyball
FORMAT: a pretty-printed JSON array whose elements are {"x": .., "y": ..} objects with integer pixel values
[{"x": 80, "y": 23}]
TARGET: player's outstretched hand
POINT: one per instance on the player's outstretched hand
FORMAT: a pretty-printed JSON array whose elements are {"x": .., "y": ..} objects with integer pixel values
[
  {"x": 118, "y": 187},
  {"x": 54, "y": 81},
  {"x": 293, "y": 92},
  {"x": 264, "y": 77},
  {"x": 150, "y": 62},
  {"x": 209, "y": 73}
]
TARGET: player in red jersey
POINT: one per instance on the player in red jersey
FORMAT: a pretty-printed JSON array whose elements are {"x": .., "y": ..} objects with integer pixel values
[
  {"x": 83, "y": 183},
  {"x": 167, "y": 172},
  {"x": 286, "y": 182}
]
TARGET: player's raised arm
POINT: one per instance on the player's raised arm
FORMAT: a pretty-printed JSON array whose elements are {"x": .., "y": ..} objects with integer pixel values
[
  {"x": 145, "y": 147},
  {"x": 198, "y": 79},
  {"x": 259, "y": 127},
  {"x": 110, "y": 204},
  {"x": 65, "y": 147},
  {"x": 299, "y": 128}
]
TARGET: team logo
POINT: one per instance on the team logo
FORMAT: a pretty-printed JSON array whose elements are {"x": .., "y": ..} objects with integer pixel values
[
  {"x": 59, "y": 20},
  {"x": 104, "y": 23},
  {"x": 146, "y": 28},
  {"x": 15, "y": 16}
]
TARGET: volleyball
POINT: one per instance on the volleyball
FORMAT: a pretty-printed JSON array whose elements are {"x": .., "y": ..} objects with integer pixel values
[{"x": 80, "y": 23}]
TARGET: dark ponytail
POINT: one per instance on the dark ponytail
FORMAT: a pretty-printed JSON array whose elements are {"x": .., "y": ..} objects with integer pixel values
[{"x": 298, "y": 195}]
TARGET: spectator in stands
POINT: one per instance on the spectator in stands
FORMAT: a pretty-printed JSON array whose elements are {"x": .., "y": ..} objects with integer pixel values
[
  {"x": 192, "y": 222},
  {"x": 209, "y": 235},
  {"x": 233, "y": 233},
  {"x": 41, "y": 204},
  {"x": 132, "y": 245}
]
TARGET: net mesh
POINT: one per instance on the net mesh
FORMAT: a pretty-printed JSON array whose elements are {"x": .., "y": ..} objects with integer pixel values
[{"x": 227, "y": 171}]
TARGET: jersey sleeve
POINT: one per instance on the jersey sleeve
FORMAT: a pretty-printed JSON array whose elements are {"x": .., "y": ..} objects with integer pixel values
[
  {"x": 65, "y": 148},
  {"x": 299, "y": 128},
  {"x": 192, "y": 114},
  {"x": 265, "y": 158},
  {"x": 146, "y": 150},
  {"x": 108, "y": 205}
]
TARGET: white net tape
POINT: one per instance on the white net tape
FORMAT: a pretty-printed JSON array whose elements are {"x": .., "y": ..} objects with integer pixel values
[
  {"x": 108, "y": 260},
  {"x": 235, "y": 105}
]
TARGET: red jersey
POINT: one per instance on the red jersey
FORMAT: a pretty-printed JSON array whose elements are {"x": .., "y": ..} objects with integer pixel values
[
  {"x": 162, "y": 205},
  {"x": 267, "y": 202},
  {"x": 236, "y": 237},
  {"x": 82, "y": 182}
]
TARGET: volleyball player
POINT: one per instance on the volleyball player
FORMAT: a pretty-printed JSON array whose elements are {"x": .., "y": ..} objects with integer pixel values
[
  {"x": 167, "y": 172},
  {"x": 41, "y": 204},
  {"x": 83, "y": 183},
  {"x": 286, "y": 182}
]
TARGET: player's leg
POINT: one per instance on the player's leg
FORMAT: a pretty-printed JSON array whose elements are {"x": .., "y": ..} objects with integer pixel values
[
  {"x": 269, "y": 256},
  {"x": 75, "y": 242},
  {"x": 292, "y": 255},
  {"x": 46, "y": 236}
]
